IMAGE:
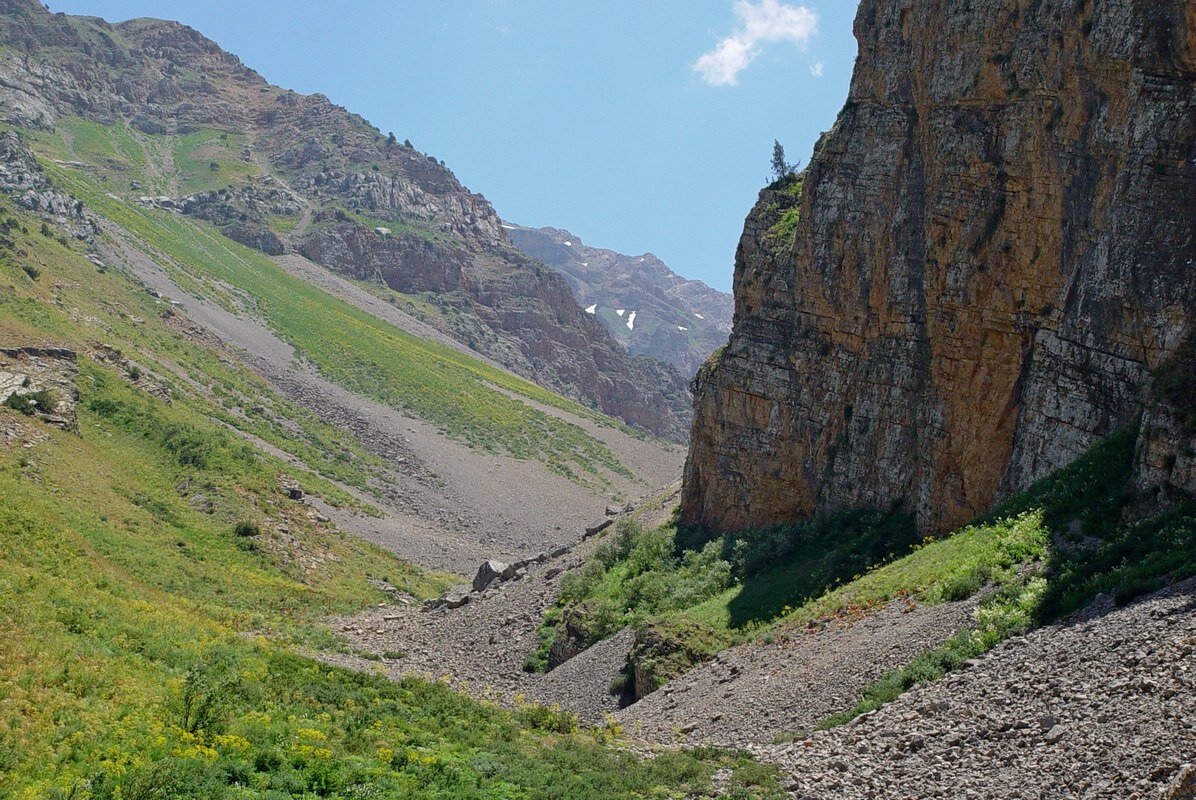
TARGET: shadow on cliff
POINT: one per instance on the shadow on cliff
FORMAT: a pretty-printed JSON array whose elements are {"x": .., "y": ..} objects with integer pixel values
[
  {"x": 782, "y": 568},
  {"x": 1101, "y": 543}
]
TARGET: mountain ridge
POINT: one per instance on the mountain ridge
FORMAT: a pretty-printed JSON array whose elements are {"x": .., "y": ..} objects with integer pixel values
[
  {"x": 299, "y": 173},
  {"x": 679, "y": 320}
]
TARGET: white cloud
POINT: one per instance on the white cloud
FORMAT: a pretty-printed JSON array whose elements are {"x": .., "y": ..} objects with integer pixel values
[
  {"x": 765, "y": 21},
  {"x": 816, "y": 69}
]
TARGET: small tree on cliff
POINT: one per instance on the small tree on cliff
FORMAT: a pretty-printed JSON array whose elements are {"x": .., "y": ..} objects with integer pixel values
[{"x": 781, "y": 169}]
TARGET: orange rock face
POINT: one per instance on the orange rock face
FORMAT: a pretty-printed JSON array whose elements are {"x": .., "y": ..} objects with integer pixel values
[{"x": 995, "y": 247}]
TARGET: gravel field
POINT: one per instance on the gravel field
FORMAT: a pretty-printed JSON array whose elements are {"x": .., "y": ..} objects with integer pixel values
[
  {"x": 755, "y": 692},
  {"x": 1101, "y": 707}
]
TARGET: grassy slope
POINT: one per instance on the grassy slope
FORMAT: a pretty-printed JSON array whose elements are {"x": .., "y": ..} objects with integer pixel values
[
  {"x": 435, "y": 382},
  {"x": 1045, "y": 553},
  {"x": 144, "y": 642},
  {"x": 73, "y": 303}
]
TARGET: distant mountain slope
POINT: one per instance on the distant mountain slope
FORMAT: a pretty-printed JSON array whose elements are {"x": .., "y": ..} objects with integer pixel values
[
  {"x": 675, "y": 320},
  {"x": 164, "y": 116}
]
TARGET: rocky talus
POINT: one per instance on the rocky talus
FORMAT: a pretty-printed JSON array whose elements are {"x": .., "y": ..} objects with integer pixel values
[
  {"x": 992, "y": 252},
  {"x": 480, "y": 640},
  {"x": 757, "y": 692},
  {"x": 1102, "y": 706}
]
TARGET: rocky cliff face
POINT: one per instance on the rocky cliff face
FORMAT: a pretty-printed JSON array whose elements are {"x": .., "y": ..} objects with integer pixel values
[
  {"x": 676, "y": 320},
  {"x": 993, "y": 253},
  {"x": 335, "y": 182}
]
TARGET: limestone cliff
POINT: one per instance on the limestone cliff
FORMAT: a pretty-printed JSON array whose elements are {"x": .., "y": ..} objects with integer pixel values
[{"x": 992, "y": 252}]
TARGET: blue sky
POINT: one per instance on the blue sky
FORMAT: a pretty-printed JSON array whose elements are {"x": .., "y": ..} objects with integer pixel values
[{"x": 640, "y": 126}]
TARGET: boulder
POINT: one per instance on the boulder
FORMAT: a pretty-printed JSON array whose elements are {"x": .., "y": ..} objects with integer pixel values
[
  {"x": 290, "y": 487},
  {"x": 597, "y": 528},
  {"x": 488, "y": 572}
]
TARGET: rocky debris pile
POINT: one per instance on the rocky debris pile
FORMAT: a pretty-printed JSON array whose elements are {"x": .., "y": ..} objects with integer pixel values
[
  {"x": 136, "y": 374},
  {"x": 23, "y": 178},
  {"x": 290, "y": 487},
  {"x": 480, "y": 645},
  {"x": 41, "y": 382},
  {"x": 756, "y": 692},
  {"x": 1101, "y": 706},
  {"x": 491, "y": 574}
]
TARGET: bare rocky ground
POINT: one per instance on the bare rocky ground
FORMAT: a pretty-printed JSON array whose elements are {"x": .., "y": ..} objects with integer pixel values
[
  {"x": 480, "y": 647},
  {"x": 1103, "y": 706},
  {"x": 756, "y": 692}
]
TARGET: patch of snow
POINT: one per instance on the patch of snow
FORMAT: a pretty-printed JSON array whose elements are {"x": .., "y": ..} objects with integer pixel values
[
  {"x": 568, "y": 244},
  {"x": 585, "y": 263},
  {"x": 620, "y": 311},
  {"x": 682, "y": 328},
  {"x": 592, "y": 309},
  {"x": 508, "y": 227},
  {"x": 631, "y": 321},
  {"x": 699, "y": 316}
]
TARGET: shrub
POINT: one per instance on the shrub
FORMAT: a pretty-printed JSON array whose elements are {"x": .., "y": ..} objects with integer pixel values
[
  {"x": 173, "y": 778},
  {"x": 666, "y": 647},
  {"x": 549, "y": 719},
  {"x": 205, "y": 696},
  {"x": 32, "y": 271},
  {"x": 29, "y": 404},
  {"x": 246, "y": 528}
]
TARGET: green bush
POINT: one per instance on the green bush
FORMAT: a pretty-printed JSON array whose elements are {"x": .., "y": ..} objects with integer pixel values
[
  {"x": 548, "y": 719},
  {"x": 203, "y": 698},
  {"x": 246, "y": 528},
  {"x": 33, "y": 402}
]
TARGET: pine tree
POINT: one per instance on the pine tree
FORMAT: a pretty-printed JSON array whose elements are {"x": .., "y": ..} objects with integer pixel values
[{"x": 780, "y": 168}]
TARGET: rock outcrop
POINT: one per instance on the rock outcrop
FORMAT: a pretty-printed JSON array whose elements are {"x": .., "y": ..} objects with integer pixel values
[
  {"x": 993, "y": 249},
  {"x": 22, "y": 178},
  {"x": 41, "y": 382}
]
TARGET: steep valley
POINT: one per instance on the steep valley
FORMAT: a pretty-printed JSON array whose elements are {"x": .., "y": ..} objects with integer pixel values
[{"x": 317, "y": 480}]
